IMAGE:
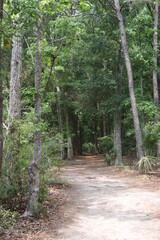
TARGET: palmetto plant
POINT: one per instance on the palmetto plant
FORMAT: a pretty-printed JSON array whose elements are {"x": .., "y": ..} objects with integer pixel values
[{"x": 146, "y": 163}]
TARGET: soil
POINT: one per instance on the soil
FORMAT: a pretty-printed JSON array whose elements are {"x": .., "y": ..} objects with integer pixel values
[{"x": 99, "y": 203}]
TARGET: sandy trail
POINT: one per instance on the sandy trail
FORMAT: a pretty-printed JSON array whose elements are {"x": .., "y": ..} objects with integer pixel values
[{"x": 106, "y": 206}]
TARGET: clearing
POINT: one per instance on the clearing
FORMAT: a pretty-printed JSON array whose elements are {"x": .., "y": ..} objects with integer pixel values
[{"x": 104, "y": 203}]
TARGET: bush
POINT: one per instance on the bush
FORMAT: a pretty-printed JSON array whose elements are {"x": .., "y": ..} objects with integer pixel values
[
  {"x": 89, "y": 148},
  {"x": 105, "y": 144},
  {"x": 7, "y": 219},
  {"x": 151, "y": 135},
  {"x": 51, "y": 150},
  {"x": 110, "y": 156},
  {"x": 108, "y": 159},
  {"x": 18, "y": 152},
  {"x": 146, "y": 163}
]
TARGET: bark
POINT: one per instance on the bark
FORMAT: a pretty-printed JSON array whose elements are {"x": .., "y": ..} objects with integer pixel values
[
  {"x": 139, "y": 144},
  {"x": 15, "y": 83},
  {"x": 143, "y": 114},
  {"x": 117, "y": 137},
  {"x": 96, "y": 136},
  {"x": 155, "y": 48},
  {"x": 1, "y": 93},
  {"x": 117, "y": 114},
  {"x": 70, "y": 155},
  {"x": 32, "y": 207},
  {"x": 76, "y": 144},
  {"x": 104, "y": 126},
  {"x": 141, "y": 74},
  {"x": 70, "y": 149},
  {"x": 155, "y": 60},
  {"x": 60, "y": 124},
  {"x": 80, "y": 139}
]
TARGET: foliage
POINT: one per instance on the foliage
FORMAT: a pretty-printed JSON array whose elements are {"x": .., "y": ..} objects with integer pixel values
[
  {"x": 151, "y": 136},
  {"x": 18, "y": 152},
  {"x": 146, "y": 163},
  {"x": 105, "y": 144},
  {"x": 80, "y": 47},
  {"x": 89, "y": 148},
  {"x": 51, "y": 150},
  {"x": 108, "y": 159},
  {"x": 110, "y": 156},
  {"x": 7, "y": 219}
]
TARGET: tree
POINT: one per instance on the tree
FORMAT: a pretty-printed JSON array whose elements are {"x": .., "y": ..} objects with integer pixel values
[
  {"x": 1, "y": 90},
  {"x": 15, "y": 83},
  {"x": 155, "y": 48},
  {"x": 32, "y": 207},
  {"x": 155, "y": 60},
  {"x": 138, "y": 134},
  {"x": 69, "y": 139},
  {"x": 117, "y": 114}
]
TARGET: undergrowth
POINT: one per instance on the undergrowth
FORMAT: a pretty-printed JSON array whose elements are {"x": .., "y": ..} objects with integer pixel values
[{"x": 146, "y": 163}]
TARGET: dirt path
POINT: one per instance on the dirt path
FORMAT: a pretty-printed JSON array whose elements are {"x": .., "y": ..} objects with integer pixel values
[
  {"x": 108, "y": 205},
  {"x": 101, "y": 203}
]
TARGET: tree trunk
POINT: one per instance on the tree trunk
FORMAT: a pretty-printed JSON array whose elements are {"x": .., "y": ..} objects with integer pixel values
[
  {"x": 155, "y": 48},
  {"x": 60, "y": 124},
  {"x": 76, "y": 144},
  {"x": 70, "y": 155},
  {"x": 96, "y": 136},
  {"x": 155, "y": 81},
  {"x": 1, "y": 93},
  {"x": 15, "y": 83},
  {"x": 104, "y": 126},
  {"x": 80, "y": 139},
  {"x": 117, "y": 137},
  {"x": 138, "y": 134},
  {"x": 32, "y": 207},
  {"x": 69, "y": 140},
  {"x": 117, "y": 114}
]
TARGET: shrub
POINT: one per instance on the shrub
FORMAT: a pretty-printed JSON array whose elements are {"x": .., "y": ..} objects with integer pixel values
[
  {"x": 105, "y": 144},
  {"x": 89, "y": 148},
  {"x": 51, "y": 150},
  {"x": 110, "y": 156},
  {"x": 108, "y": 159},
  {"x": 151, "y": 135},
  {"x": 18, "y": 152},
  {"x": 7, "y": 218},
  {"x": 146, "y": 163}
]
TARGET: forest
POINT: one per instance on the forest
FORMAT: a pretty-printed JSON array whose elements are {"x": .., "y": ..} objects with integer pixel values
[{"x": 77, "y": 78}]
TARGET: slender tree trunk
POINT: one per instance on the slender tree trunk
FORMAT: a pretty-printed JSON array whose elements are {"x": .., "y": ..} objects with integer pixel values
[
  {"x": 138, "y": 134},
  {"x": 155, "y": 56},
  {"x": 60, "y": 124},
  {"x": 117, "y": 137},
  {"x": 155, "y": 48},
  {"x": 117, "y": 114},
  {"x": 70, "y": 155},
  {"x": 142, "y": 94},
  {"x": 1, "y": 93},
  {"x": 141, "y": 74},
  {"x": 104, "y": 126},
  {"x": 15, "y": 83},
  {"x": 74, "y": 122},
  {"x": 32, "y": 207},
  {"x": 96, "y": 136},
  {"x": 80, "y": 139}
]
